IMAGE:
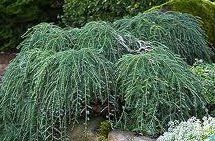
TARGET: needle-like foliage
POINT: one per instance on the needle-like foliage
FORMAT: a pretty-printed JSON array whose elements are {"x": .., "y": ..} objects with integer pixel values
[
  {"x": 180, "y": 32},
  {"x": 156, "y": 87},
  {"x": 101, "y": 36},
  {"x": 62, "y": 74},
  {"x": 96, "y": 35},
  {"x": 48, "y": 37},
  {"x": 44, "y": 92}
]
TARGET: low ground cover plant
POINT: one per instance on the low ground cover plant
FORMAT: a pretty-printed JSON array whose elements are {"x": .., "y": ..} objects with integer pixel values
[
  {"x": 191, "y": 130},
  {"x": 207, "y": 74}
]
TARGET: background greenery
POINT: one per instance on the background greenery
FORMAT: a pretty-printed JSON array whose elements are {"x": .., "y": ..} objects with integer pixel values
[
  {"x": 207, "y": 73},
  {"x": 18, "y": 15},
  {"x": 79, "y": 12}
]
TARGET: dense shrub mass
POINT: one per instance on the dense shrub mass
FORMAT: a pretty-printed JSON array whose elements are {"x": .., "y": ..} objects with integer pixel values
[
  {"x": 18, "y": 15},
  {"x": 156, "y": 87},
  {"x": 191, "y": 130},
  {"x": 201, "y": 8},
  {"x": 207, "y": 73},
  {"x": 96, "y": 35},
  {"x": 180, "y": 32},
  {"x": 77, "y": 13},
  {"x": 63, "y": 75},
  {"x": 51, "y": 91}
]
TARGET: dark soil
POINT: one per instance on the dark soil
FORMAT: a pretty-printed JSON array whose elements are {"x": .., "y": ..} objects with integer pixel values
[{"x": 5, "y": 59}]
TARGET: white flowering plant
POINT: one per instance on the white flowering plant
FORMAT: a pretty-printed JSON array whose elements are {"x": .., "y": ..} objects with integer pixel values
[{"x": 192, "y": 130}]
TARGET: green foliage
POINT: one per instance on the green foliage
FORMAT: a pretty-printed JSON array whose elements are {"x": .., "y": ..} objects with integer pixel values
[
  {"x": 105, "y": 128},
  {"x": 65, "y": 74},
  {"x": 79, "y": 12},
  {"x": 47, "y": 37},
  {"x": 96, "y": 35},
  {"x": 44, "y": 92},
  {"x": 180, "y": 32},
  {"x": 157, "y": 87},
  {"x": 18, "y": 15},
  {"x": 207, "y": 74},
  {"x": 101, "y": 36},
  {"x": 201, "y": 8},
  {"x": 191, "y": 130}
]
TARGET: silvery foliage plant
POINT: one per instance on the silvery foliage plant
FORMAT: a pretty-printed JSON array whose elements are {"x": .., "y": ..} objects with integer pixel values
[{"x": 191, "y": 130}]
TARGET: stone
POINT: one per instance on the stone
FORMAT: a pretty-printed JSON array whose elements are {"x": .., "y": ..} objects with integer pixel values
[
  {"x": 86, "y": 133},
  {"x": 126, "y": 136}
]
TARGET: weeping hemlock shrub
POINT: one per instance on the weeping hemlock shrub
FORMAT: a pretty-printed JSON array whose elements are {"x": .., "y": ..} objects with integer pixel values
[
  {"x": 62, "y": 74},
  {"x": 180, "y": 32},
  {"x": 156, "y": 87},
  {"x": 52, "y": 91}
]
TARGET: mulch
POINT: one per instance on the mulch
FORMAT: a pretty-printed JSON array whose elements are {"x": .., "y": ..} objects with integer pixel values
[{"x": 5, "y": 59}]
